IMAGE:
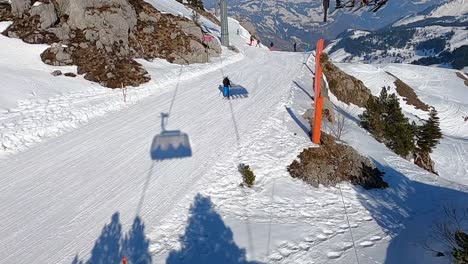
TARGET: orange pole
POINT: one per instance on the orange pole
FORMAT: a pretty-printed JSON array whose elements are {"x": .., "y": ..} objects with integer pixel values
[
  {"x": 318, "y": 98},
  {"x": 318, "y": 120}
]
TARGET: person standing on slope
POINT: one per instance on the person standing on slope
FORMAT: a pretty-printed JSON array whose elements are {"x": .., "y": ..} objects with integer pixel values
[
  {"x": 226, "y": 86},
  {"x": 271, "y": 46},
  {"x": 251, "y": 40},
  {"x": 295, "y": 46}
]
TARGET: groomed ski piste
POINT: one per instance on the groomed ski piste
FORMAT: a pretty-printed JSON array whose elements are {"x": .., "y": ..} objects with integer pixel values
[{"x": 78, "y": 182}]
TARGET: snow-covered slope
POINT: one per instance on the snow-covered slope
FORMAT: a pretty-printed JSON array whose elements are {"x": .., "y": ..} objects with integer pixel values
[
  {"x": 441, "y": 88},
  {"x": 95, "y": 193},
  {"x": 437, "y": 36}
]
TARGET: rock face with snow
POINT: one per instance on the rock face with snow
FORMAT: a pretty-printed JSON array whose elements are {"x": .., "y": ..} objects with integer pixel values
[
  {"x": 115, "y": 31},
  {"x": 332, "y": 163},
  {"x": 345, "y": 87}
]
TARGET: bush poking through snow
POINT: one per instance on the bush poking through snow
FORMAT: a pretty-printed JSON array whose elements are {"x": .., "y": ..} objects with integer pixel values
[{"x": 248, "y": 177}]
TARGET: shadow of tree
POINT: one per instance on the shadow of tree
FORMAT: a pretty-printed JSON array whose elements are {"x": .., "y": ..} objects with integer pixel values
[
  {"x": 111, "y": 246},
  {"x": 407, "y": 211},
  {"x": 207, "y": 239}
]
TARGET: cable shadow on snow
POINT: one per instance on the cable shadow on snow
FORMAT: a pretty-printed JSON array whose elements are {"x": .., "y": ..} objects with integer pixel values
[
  {"x": 112, "y": 246},
  {"x": 236, "y": 91},
  {"x": 403, "y": 209},
  {"x": 304, "y": 90},
  {"x": 207, "y": 239},
  {"x": 298, "y": 121}
]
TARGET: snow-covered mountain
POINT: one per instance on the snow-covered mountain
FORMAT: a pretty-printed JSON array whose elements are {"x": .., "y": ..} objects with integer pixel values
[
  {"x": 284, "y": 21},
  {"x": 437, "y": 36}
]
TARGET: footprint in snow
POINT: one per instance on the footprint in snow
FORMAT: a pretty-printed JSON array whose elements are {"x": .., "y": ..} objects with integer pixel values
[
  {"x": 327, "y": 232},
  {"x": 366, "y": 244},
  {"x": 334, "y": 254},
  {"x": 375, "y": 238},
  {"x": 345, "y": 245},
  {"x": 340, "y": 231},
  {"x": 304, "y": 246},
  {"x": 276, "y": 256},
  {"x": 322, "y": 237},
  {"x": 367, "y": 218},
  {"x": 309, "y": 239},
  {"x": 284, "y": 252}
]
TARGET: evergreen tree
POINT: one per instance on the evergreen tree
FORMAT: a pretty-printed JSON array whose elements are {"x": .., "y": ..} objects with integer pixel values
[
  {"x": 399, "y": 133},
  {"x": 372, "y": 118},
  {"x": 196, "y": 3},
  {"x": 384, "y": 118},
  {"x": 429, "y": 134}
]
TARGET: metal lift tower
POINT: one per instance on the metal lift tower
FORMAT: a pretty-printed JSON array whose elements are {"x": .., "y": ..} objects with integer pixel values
[{"x": 224, "y": 24}]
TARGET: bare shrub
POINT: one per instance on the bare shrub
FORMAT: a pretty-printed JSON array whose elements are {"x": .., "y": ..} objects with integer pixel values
[{"x": 449, "y": 232}]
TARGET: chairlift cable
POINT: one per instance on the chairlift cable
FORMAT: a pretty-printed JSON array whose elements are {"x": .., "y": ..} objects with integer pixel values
[{"x": 349, "y": 225}]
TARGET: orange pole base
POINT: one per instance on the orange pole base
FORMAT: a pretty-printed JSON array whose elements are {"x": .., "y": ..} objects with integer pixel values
[{"x": 318, "y": 120}]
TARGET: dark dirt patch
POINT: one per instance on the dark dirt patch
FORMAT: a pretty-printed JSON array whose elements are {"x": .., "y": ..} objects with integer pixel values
[
  {"x": 409, "y": 96},
  {"x": 332, "y": 163}
]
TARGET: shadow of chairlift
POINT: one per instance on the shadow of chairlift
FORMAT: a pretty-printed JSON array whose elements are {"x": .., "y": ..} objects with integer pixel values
[
  {"x": 170, "y": 144},
  {"x": 236, "y": 91}
]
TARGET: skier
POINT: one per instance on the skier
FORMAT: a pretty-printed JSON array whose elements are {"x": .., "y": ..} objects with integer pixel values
[
  {"x": 295, "y": 46},
  {"x": 226, "y": 86},
  {"x": 271, "y": 46},
  {"x": 258, "y": 43},
  {"x": 251, "y": 40},
  {"x": 238, "y": 31}
]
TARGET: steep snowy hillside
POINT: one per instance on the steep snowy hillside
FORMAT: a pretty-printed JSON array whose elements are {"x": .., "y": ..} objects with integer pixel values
[
  {"x": 285, "y": 22},
  {"x": 437, "y": 36}
]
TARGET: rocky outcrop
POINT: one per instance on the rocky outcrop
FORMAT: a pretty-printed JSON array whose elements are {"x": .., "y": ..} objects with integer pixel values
[
  {"x": 332, "y": 163},
  {"x": 46, "y": 13},
  {"x": 5, "y": 11},
  {"x": 57, "y": 55},
  {"x": 423, "y": 160},
  {"x": 102, "y": 37},
  {"x": 345, "y": 87},
  {"x": 20, "y": 7}
]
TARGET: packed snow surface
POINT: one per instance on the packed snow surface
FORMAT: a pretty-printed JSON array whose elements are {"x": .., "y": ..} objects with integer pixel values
[{"x": 95, "y": 185}]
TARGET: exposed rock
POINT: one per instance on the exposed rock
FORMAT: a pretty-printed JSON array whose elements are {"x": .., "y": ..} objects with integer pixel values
[
  {"x": 345, "y": 87},
  {"x": 70, "y": 74},
  {"x": 189, "y": 28},
  {"x": 57, "y": 55},
  {"x": 27, "y": 30},
  {"x": 20, "y": 7},
  {"x": 332, "y": 163},
  {"x": 56, "y": 73},
  {"x": 46, "y": 13},
  {"x": 5, "y": 11},
  {"x": 109, "y": 71},
  {"x": 103, "y": 36},
  {"x": 62, "y": 33},
  {"x": 423, "y": 160}
]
